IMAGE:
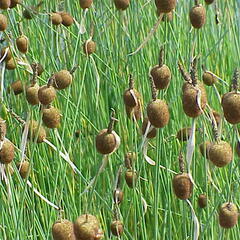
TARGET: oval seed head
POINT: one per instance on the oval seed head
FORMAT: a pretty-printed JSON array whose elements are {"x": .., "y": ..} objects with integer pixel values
[
  {"x": 87, "y": 227},
  {"x": 118, "y": 196},
  {"x": 3, "y": 22},
  {"x": 165, "y": 6},
  {"x": 189, "y": 99},
  {"x": 197, "y": 16},
  {"x": 22, "y": 44},
  {"x": 17, "y": 87},
  {"x": 11, "y": 64},
  {"x": 134, "y": 112},
  {"x": 36, "y": 131},
  {"x": 67, "y": 19},
  {"x": 56, "y": 18},
  {"x": 23, "y": 169},
  {"x": 32, "y": 94},
  {"x": 51, "y": 117},
  {"x": 202, "y": 201},
  {"x": 230, "y": 104},
  {"x": 106, "y": 142},
  {"x": 5, "y": 4},
  {"x": 117, "y": 228},
  {"x": 161, "y": 76},
  {"x": 209, "y": 1},
  {"x": 46, "y": 94},
  {"x": 129, "y": 99},
  {"x": 63, "y": 230},
  {"x": 131, "y": 178},
  {"x": 228, "y": 215},
  {"x": 7, "y": 152},
  {"x": 158, "y": 113},
  {"x": 184, "y": 134},
  {"x": 89, "y": 47},
  {"x": 152, "y": 133},
  {"x": 14, "y": 3},
  {"x": 121, "y": 4},
  {"x": 62, "y": 79},
  {"x": 85, "y": 3},
  {"x": 220, "y": 153},
  {"x": 130, "y": 158},
  {"x": 204, "y": 148},
  {"x": 8, "y": 54},
  {"x": 209, "y": 79},
  {"x": 40, "y": 69},
  {"x": 182, "y": 186}
]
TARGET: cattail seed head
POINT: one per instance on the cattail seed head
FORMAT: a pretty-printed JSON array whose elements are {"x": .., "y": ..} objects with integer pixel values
[
  {"x": 63, "y": 230},
  {"x": 228, "y": 215},
  {"x": 117, "y": 228}
]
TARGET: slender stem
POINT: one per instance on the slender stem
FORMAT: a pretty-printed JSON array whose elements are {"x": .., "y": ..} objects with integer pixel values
[
  {"x": 181, "y": 162},
  {"x": 73, "y": 69},
  {"x": 193, "y": 71},
  {"x": 235, "y": 80},
  {"x": 35, "y": 73},
  {"x": 185, "y": 75},
  {"x": 153, "y": 88},
  {"x": 161, "y": 57},
  {"x": 111, "y": 123},
  {"x": 131, "y": 82}
]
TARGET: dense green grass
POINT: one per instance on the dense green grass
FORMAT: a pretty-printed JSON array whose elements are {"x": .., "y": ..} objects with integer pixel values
[{"x": 23, "y": 215}]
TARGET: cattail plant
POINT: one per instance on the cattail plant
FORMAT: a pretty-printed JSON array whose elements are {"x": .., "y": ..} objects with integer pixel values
[{"x": 197, "y": 15}]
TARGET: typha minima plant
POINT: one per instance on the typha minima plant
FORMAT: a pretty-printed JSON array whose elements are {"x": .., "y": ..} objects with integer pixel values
[
  {"x": 14, "y": 3},
  {"x": 129, "y": 159},
  {"x": 89, "y": 46},
  {"x": 87, "y": 227},
  {"x": 117, "y": 228},
  {"x": 182, "y": 184},
  {"x": 118, "y": 193},
  {"x": 202, "y": 200},
  {"x": 166, "y": 17},
  {"x": 17, "y": 87},
  {"x": 157, "y": 109},
  {"x": 6, "y": 147},
  {"x": 5, "y": 4},
  {"x": 131, "y": 177},
  {"x": 163, "y": 7},
  {"x": 67, "y": 19},
  {"x": 3, "y": 22},
  {"x": 31, "y": 11},
  {"x": 132, "y": 101},
  {"x": 62, "y": 229},
  {"x": 56, "y": 18},
  {"x": 231, "y": 101},
  {"x": 152, "y": 131},
  {"x": 6, "y": 54},
  {"x": 85, "y": 3},
  {"x": 11, "y": 64},
  {"x": 51, "y": 117},
  {"x": 209, "y": 79},
  {"x": 228, "y": 215},
  {"x": 194, "y": 96},
  {"x": 220, "y": 152},
  {"x": 22, "y": 41},
  {"x": 23, "y": 168},
  {"x": 32, "y": 90},
  {"x": 63, "y": 78},
  {"x": 36, "y": 132},
  {"x": 47, "y": 93},
  {"x": 197, "y": 15},
  {"x": 40, "y": 68},
  {"x": 161, "y": 73},
  {"x": 121, "y": 4}
]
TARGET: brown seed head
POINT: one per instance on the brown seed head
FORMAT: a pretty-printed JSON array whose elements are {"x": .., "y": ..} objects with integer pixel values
[
  {"x": 118, "y": 196},
  {"x": 11, "y": 64},
  {"x": 17, "y": 87},
  {"x": 87, "y": 227},
  {"x": 3, "y": 22},
  {"x": 209, "y": 79},
  {"x": 67, "y": 19},
  {"x": 165, "y": 6},
  {"x": 8, "y": 55},
  {"x": 158, "y": 113},
  {"x": 209, "y": 1},
  {"x": 117, "y": 228},
  {"x": 202, "y": 201},
  {"x": 62, "y": 79},
  {"x": 5, "y": 4},
  {"x": 228, "y": 215},
  {"x": 128, "y": 98},
  {"x": 220, "y": 153},
  {"x": 131, "y": 178},
  {"x": 197, "y": 16},
  {"x": 23, "y": 169},
  {"x": 204, "y": 148},
  {"x": 32, "y": 94},
  {"x": 134, "y": 112},
  {"x": 182, "y": 186},
  {"x": 36, "y": 132},
  {"x": 22, "y": 44},
  {"x": 56, "y": 18},
  {"x": 14, "y": 3},
  {"x": 51, "y": 117},
  {"x": 122, "y": 4},
  {"x": 89, "y": 47},
  {"x": 63, "y": 230},
  {"x": 46, "y": 94},
  {"x": 85, "y": 3},
  {"x": 7, "y": 152},
  {"x": 230, "y": 104}
]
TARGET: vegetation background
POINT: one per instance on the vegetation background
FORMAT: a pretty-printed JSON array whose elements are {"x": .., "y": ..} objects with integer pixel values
[{"x": 84, "y": 107}]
